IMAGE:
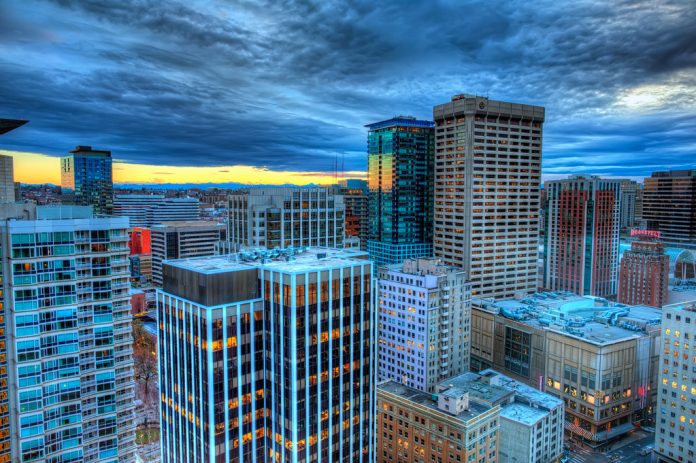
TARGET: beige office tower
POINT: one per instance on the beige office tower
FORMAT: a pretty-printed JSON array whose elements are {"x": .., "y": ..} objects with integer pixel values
[
  {"x": 7, "y": 185},
  {"x": 487, "y": 176}
]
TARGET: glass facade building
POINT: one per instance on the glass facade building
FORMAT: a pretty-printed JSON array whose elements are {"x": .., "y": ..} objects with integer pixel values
[
  {"x": 268, "y": 356},
  {"x": 86, "y": 179},
  {"x": 400, "y": 189},
  {"x": 68, "y": 347}
]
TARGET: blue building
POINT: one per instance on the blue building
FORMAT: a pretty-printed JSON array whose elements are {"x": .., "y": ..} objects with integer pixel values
[
  {"x": 400, "y": 163},
  {"x": 86, "y": 179}
]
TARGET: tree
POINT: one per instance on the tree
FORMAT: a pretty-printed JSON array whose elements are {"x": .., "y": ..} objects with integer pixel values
[{"x": 145, "y": 357}]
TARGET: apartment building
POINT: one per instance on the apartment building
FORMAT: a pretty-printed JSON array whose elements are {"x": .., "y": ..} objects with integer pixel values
[{"x": 644, "y": 272}]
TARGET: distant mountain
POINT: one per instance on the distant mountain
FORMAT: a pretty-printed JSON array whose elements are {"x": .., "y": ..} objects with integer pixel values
[{"x": 186, "y": 186}]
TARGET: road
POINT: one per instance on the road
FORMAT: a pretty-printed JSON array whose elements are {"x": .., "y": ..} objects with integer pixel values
[{"x": 626, "y": 452}]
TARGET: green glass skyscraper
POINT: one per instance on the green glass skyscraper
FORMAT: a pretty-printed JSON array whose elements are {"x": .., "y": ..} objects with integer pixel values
[
  {"x": 87, "y": 179},
  {"x": 400, "y": 161}
]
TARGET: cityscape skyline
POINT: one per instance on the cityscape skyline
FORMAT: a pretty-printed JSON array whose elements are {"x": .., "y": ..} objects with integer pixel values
[{"x": 251, "y": 92}]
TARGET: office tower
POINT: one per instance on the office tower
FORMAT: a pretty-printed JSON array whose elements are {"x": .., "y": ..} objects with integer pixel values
[
  {"x": 149, "y": 210},
  {"x": 639, "y": 207},
  {"x": 179, "y": 240},
  {"x": 674, "y": 434},
  {"x": 669, "y": 205},
  {"x": 627, "y": 207},
  {"x": 69, "y": 369},
  {"x": 487, "y": 179},
  {"x": 7, "y": 184},
  {"x": 582, "y": 235},
  {"x": 599, "y": 357},
  {"x": 357, "y": 214},
  {"x": 285, "y": 217},
  {"x": 644, "y": 272},
  {"x": 86, "y": 179},
  {"x": 268, "y": 356},
  {"x": 400, "y": 183},
  {"x": 424, "y": 322},
  {"x": 415, "y": 426},
  {"x": 139, "y": 240}
]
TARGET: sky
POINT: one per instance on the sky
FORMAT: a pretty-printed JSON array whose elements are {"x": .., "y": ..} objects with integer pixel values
[{"x": 249, "y": 91}]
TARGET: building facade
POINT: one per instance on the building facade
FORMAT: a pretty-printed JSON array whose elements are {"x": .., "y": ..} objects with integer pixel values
[
  {"x": 268, "y": 356},
  {"x": 424, "y": 316},
  {"x": 487, "y": 186},
  {"x": 675, "y": 440},
  {"x": 600, "y": 358},
  {"x": 400, "y": 184},
  {"x": 450, "y": 427},
  {"x": 628, "y": 208},
  {"x": 286, "y": 217},
  {"x": 68, "y": 347},
  {"x": 582, "y": 235},
  {"x": 357, "y": 214},
  {"x": 644, "y": 273},
  {"x": 149, "y": 210},
  {"x": 87, "y": 179},
  {"x": 669, "y": 205},
  {"x": 179, "y": 240},
  {"x": 7, "y": 183},
  {"x": 531, "y": 421}
]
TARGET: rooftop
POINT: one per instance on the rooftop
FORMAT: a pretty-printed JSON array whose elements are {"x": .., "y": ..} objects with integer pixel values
[
  {"x": 188, "y": 223},
  {"x": 522, "y": 413},
  {"x": 291, "y": 260},
  {"x": 590, "y": 318},
  {"x": 400, "y": 121},
  {"x": 430, "y": 401}
]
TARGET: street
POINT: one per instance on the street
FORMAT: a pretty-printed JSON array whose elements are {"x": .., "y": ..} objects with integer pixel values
[{"x": 624, "y": 452}]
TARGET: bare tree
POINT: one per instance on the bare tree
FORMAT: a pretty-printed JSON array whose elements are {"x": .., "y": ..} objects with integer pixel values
[{"x": 145, "y": 358}]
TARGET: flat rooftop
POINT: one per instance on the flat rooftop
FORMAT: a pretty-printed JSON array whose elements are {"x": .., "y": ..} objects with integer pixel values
[
  {"x": 295, "y": 260},
  {"x": 430, "y": 401},
  {"x": 522, "y": 413},
  {"x": 590, "y": 318},
  {"x": 478, "y": 389},
  {"x": 522, "y": 391}
]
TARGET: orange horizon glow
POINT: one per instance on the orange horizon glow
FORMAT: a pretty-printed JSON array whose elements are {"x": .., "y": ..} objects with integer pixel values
[{"x": 37, "y": 168}]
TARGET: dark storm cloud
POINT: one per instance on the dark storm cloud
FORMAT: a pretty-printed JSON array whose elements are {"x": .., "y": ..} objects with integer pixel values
[{"x": 289, "y": 85}]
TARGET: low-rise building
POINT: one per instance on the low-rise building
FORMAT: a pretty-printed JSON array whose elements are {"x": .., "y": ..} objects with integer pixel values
[{"x": 599, "y": 357}]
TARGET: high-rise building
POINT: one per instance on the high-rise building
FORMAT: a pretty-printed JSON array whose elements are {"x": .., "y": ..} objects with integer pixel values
[
  {"x": 416, "y": 426},
  {"x": 86, "y": 179},
  {"x": 286, "y": 217},
  {"x": 179, "y": 240},
  {"x": 7, "y": 183},
  {"x": 644, "y": 273},
  {"x": 149, "y": 210},
  {"x": 487, "y": 181},
  {"x": 629, "y": 199},
  {"x": 424, "y": 323},
  {"x": 582, "y": 235},
  {"x": 268, "y": 356},
  {"x": 357, "y": 214},
  {"x": 400, "y": 183},
  {"x": 599, "y": 357},
  {"x": 68, "y": 349},
  {"x": 669, "y": 205},
  {"x": 674, "y": 433}
]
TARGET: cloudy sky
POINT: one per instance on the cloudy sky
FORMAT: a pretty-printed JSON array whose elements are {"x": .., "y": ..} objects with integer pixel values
[{"x": 254, "y": 91}]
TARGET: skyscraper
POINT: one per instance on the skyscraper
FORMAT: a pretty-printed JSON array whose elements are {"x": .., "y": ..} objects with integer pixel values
[
  {"x": 487, "y": 178},
  {"x": 86, "y": 179},
  {"x": 7, "y": 183},
  {"x": 424, "y": 323},
  {"x": 268, "y": 356},
  {"x": 629, "y": 199},
  {"x": 69, "y": 370},
  {"x": 400, "y": 183},
  {"x": 286, "y": 217},
  {"x": 669, "y": 205},
  {"x": 674, "y": 434},
  {"x": 644, "y": 273},
  {"x": 178, "y": 240},
  {"x": 582, "y": 235}
]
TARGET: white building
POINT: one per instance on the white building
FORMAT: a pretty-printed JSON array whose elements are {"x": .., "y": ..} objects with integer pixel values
[
  {"x": 424, "y": 323},
  {"x": 182, "y": 239},
  {"x": 675, "y": 436},
  {"x": 487, "y": 191},
  {"x": 149, "y": 210},
  {"x": 531, "y": 421},
  {"x": 286, "y": 217},
  {"x": 68, "y": 356}
]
